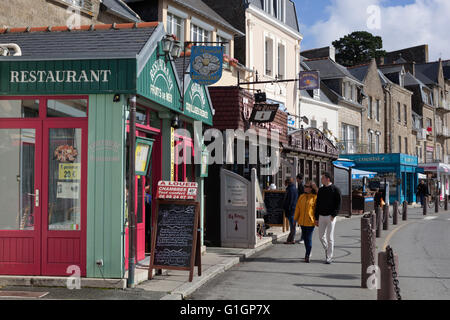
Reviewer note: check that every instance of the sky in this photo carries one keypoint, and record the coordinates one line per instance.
(400, 23)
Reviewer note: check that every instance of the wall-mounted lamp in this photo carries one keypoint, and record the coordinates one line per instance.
(170, 47)
(175, 122)
(305, 119)
(116, 98)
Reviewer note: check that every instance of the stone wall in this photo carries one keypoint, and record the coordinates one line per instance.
(38, 13)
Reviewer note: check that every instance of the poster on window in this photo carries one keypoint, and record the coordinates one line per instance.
(206, 64)
(68, 190)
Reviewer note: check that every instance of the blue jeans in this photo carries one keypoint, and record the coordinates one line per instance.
(292, 223)
(307, 233)
(421, 197)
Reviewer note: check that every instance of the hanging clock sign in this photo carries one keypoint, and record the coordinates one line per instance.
(263, 113)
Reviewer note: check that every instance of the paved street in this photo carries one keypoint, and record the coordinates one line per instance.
(280, 273)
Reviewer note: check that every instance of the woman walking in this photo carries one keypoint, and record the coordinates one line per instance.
(304, 215)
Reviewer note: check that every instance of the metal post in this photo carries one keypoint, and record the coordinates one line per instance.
(367, 247)
(386, 291)
(405, 211)
(436, 203)
(395, 213)
(131, 194)
(446, 202)
(386, 217)
(425, 205)
(378, 220)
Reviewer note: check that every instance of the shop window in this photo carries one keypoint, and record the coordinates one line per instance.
(19, 108)
(175, 26)
(17, 173)
(64, 206)
(74, 108)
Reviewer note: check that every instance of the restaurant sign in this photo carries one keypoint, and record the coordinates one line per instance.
(68, 76)
(206, 64)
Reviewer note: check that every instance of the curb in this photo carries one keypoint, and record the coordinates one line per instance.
(187, 289)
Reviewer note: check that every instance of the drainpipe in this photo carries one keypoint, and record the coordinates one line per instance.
(131, 195)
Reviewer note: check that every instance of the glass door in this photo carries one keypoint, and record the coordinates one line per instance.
(20, 197)
(64, 178)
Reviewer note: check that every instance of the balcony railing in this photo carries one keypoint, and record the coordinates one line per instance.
(442, 132)
(444, 106)
(422, 134)
(353, 147)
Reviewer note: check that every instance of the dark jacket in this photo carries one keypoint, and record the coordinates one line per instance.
(328, 201)
(290, 201)
(422, 189)
(301, 189)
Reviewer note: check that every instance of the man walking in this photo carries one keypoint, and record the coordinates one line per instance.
(422, 192)
(300, 187)
(301, 190)
(290, 202)
(327, 208)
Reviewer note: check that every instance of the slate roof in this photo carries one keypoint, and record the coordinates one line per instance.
(291, 12)
(428, 72)
(329, 69)
(387, 69)
(120, 8)
(204, 10)
(359, 72)
(446, 67)
(88, 42)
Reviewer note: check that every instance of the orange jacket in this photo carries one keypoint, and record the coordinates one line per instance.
(304, 211)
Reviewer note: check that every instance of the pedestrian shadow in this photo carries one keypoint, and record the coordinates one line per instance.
(274, 260)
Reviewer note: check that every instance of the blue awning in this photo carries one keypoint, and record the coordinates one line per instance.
(359, 174)
(347, 163)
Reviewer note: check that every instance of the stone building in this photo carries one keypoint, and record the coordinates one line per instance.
(346, 91)
(270, 49)
(373, 118)
(37, 13)
(193, 20)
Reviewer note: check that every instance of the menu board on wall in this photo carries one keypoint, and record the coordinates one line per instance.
(236, 193)
(274, 205)
(175, 236)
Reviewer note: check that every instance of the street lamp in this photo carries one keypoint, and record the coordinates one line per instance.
(170, 47)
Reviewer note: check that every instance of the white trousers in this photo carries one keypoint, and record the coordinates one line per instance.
(326, 235)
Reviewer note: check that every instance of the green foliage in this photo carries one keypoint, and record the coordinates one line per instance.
(359, 47)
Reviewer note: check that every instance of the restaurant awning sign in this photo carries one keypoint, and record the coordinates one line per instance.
(206, 64)
(309, 80)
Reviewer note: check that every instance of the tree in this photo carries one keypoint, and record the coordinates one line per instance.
(358, 47)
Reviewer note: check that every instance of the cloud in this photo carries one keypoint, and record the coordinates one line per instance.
(401, 26)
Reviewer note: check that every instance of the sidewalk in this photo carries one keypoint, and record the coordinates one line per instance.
(214, 262)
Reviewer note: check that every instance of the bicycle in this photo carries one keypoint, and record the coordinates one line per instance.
(432, 199)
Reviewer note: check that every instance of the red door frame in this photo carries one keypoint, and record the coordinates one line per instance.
(18, 238)
(41, 232)
(66, 240)
(156, 153)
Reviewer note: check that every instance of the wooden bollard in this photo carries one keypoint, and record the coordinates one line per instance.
(386, 217)
(367, 247)
(425, 205)
(386, 291)
(378, 221)
(405, 211)
(446, 202)
(436, 203)
(395, 213)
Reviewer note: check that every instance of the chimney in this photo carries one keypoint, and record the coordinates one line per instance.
(332, 52)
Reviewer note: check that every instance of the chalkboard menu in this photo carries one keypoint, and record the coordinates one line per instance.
(274, 205)
(174, 241)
